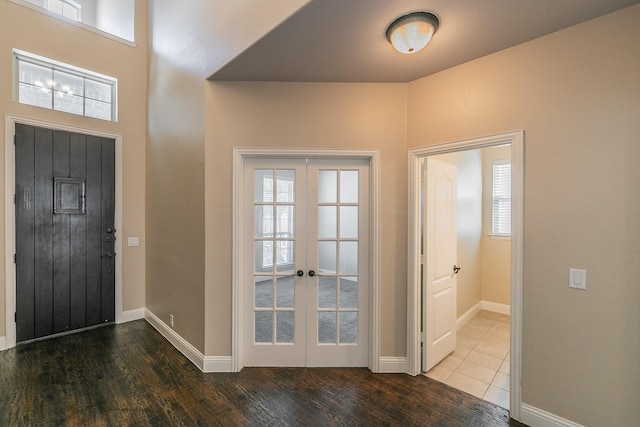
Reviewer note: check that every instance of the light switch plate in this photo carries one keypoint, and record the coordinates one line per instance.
(133, 241)
(577, 278)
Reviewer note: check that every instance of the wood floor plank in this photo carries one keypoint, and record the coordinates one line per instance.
(129, 375)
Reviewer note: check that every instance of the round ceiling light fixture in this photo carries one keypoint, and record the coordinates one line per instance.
(410, 33)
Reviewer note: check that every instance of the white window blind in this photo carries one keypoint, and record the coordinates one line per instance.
(501, 218)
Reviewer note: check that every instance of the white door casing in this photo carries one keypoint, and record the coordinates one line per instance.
(440, 280)
(516, 140)
(305, 290)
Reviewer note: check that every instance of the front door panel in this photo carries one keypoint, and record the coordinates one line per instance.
(65, 236)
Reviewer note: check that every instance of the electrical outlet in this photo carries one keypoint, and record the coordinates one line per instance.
(171, 320)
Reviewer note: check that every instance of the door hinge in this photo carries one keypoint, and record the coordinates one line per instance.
(15, 258)
(15, 138)
(15, 317)
(421, 336)
(15, 199)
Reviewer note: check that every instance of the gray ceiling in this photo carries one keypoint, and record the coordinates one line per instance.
(344, 40)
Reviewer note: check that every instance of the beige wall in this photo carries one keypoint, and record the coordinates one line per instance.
(576, 93)
(188, 40)
(307, 115)
(35, 32)
(496, 251)
(469, 225)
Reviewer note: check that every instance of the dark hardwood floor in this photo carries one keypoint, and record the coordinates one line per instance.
(129, 375)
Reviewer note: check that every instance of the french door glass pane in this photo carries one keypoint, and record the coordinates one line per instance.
(348, 222)
(285, 221)
(285, 291)
(286, 186)
(327, 327)
(263, 326)
(263, 221)
(327, 292)
(263, 255)
(284, 256)
(263, 186)
(348, 327)
(348, 186)
(327, 222)
(327, 257)
(263, 291)
(327, 186)
(285, 327)
(348, 257)
(348, 292)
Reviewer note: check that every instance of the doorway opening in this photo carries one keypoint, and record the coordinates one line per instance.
(443, 317)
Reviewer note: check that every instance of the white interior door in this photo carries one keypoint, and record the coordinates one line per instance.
(440, 258)
(306, 296)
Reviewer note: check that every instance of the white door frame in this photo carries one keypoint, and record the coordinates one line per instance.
(516, 140)
(239, 263)
(9, 215)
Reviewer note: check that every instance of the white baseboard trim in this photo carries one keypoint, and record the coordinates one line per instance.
(205, 364)
(218, 364)
(535, 417)
(468, 315)
(3, 343)
(496, 308)
(482, 305)
(393, 365)
(131, 315)
(182, 345)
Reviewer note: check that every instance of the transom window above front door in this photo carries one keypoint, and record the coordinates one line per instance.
(51, 84)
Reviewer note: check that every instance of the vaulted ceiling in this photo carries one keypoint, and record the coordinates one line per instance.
(344, 40)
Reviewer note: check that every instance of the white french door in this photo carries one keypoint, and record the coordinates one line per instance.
(306, 294)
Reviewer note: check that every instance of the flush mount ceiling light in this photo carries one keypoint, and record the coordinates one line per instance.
(410, 33)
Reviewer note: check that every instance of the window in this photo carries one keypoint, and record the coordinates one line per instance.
(51, 84)
(114, 19)
(67, 8)
(501, 218)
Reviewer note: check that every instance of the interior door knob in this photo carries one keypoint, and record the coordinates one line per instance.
(456, 269)
(300, 273)
(312, 273)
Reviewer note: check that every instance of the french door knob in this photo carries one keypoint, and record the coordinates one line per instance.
(312, 273)
(300, 273)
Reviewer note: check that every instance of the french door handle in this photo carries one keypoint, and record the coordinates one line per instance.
(312, 273)
(300, 273)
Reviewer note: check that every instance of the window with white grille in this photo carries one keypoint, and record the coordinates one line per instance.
(46, 83)
(501, 218)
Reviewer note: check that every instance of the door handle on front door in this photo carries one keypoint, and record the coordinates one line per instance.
(300, 273)
(312, 273)
(456, 269)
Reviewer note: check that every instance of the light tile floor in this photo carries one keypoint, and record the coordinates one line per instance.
(480, 363)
